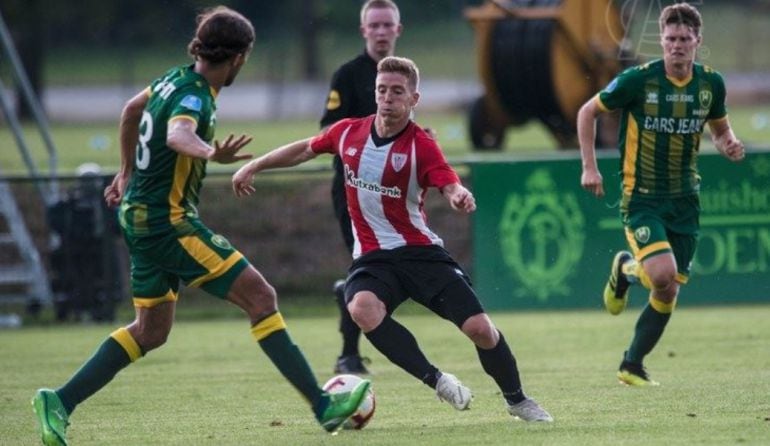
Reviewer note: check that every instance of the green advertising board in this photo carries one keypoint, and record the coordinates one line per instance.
(541, 241)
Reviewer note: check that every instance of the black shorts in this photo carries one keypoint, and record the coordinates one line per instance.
(426, 274)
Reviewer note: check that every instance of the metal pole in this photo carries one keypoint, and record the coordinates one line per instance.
(17, 131)
(37, 111)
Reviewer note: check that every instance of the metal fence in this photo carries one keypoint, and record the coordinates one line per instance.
(287, 229)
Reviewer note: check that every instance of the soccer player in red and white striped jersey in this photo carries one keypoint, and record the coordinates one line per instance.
(387, 179)
(389, 164)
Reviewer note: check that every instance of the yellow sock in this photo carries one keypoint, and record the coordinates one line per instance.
(268, 326)
(662, 307)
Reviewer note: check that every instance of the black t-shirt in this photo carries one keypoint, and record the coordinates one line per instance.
(351, 94)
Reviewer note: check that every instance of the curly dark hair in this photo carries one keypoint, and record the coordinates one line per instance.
(221, 34)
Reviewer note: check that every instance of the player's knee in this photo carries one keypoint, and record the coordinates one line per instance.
(480, 329)
(155, 341)
(366, 310)
(666, 295)
(254, 295)
(663, 280)
(151, 338)
(263, 300)
(266, 295)
(660, 271)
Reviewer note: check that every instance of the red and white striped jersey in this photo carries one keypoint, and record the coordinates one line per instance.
(386, 185)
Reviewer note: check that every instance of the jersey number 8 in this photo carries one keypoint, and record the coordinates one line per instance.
(143, 151)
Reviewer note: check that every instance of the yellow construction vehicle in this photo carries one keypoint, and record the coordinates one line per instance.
(542, 59)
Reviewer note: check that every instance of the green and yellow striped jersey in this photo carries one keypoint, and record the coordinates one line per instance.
(163, 191)
(661, 124)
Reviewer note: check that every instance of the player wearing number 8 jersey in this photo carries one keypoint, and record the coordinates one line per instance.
(164, 188)
(165, 135)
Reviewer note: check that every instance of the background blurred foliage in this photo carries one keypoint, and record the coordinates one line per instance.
(148, 22)
(125, 41)
(295, 36)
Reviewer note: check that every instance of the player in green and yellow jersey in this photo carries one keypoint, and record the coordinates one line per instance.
(166, 133)
(664, 106)
(163, 191)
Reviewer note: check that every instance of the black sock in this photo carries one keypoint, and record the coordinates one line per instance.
(351, 333)
(399, 345)
(500, 364)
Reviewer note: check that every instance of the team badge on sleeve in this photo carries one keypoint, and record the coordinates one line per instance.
(334, 101)
(192, 102)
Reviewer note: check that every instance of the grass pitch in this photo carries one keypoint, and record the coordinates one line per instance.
(211, 384)
(98, 142)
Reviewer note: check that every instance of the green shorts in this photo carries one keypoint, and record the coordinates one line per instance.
(655, 225)
(197, 259)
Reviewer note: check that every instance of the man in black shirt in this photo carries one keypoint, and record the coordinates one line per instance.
(351, 95)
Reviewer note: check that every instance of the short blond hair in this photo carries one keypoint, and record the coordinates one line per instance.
(681, 14)
(403, 66)
(380, 4)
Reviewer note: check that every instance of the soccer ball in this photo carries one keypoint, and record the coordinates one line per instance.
(346, 383)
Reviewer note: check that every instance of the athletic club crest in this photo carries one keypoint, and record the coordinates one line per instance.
(398, 160)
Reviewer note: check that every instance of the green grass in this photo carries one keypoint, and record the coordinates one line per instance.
(98, 142)
(210, 385)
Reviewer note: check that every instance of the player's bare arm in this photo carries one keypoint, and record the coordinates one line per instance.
(182, 138)
(460, 198)
(725, 140)
(591, 179)
(130, 118)
(289, 155)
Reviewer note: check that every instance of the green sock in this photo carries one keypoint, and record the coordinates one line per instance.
(99, 370)
(290, 361)
(649, 329)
